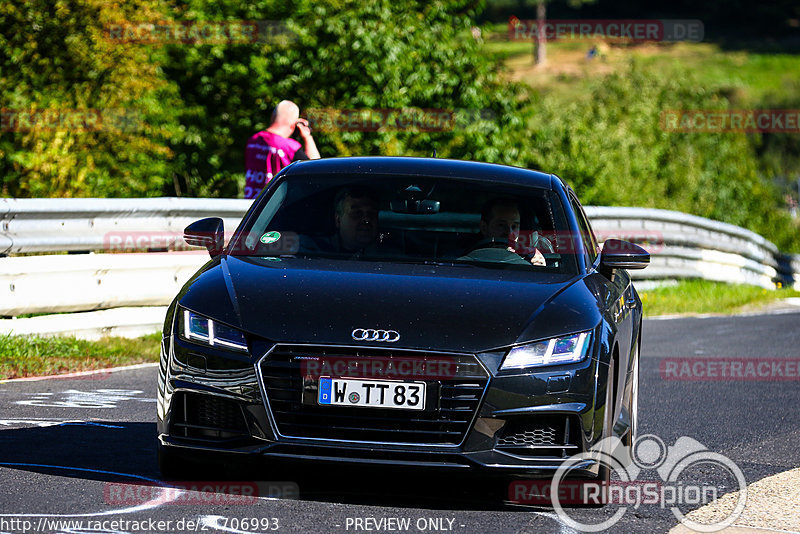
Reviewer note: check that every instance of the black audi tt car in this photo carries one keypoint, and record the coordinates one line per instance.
(407, 311)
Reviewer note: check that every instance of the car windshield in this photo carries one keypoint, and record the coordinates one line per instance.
(410, 219)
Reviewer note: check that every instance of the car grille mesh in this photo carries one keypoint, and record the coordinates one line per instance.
(544, 435)
(455, 400)
(541, 436)
(218, 413)
(203, 416)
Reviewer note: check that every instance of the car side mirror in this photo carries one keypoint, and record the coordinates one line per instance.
(618, 254)
(208, 232)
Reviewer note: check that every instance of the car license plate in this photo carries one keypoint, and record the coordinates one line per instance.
(371, 393)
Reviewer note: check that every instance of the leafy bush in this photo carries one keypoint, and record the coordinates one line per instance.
(350, 55)
(612, 148)
(55, 58)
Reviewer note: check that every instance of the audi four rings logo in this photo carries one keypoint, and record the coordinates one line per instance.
(368, 334)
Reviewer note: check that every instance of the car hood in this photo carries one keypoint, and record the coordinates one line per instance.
(446, 308)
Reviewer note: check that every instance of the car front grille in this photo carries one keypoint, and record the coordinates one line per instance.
(452, 400)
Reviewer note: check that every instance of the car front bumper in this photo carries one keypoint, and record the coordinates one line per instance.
(521, 424)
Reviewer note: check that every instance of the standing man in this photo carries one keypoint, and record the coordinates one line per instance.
(268, 151)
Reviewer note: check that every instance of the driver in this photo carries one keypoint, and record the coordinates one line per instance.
(500, 223)
(500, 219)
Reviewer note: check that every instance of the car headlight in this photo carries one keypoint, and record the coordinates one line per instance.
(195, 327)
(558, 350)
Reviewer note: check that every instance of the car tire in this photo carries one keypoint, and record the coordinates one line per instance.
(633, 407)
(604, 471)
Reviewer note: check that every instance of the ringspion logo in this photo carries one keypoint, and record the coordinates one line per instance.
(683, 469)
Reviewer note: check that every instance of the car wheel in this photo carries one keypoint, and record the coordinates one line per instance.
(633, 408)
(604, 474)
(604, 471)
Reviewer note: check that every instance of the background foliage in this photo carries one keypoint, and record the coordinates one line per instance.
(344, 55)
(612, 148)
(54, 56)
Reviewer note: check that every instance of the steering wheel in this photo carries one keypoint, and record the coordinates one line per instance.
(497, 249)
(489, 242)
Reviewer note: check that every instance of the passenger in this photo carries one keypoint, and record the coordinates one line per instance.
(355, 213)
(356, 216)
(500, 219)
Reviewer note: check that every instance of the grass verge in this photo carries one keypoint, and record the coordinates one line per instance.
(700, 296)
(22, 356)
(750, 75)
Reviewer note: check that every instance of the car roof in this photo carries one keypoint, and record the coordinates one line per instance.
(432, 167)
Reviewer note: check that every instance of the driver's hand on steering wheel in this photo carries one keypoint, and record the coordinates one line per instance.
(538, 258)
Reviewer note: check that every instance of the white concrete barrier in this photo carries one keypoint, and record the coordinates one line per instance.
(84, 282)
(687, 246)
(122, 322)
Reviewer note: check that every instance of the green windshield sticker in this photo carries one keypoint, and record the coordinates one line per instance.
(270, 237)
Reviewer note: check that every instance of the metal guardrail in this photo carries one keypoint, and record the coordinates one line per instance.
(84, 224)
(687, 246)
(681, 246)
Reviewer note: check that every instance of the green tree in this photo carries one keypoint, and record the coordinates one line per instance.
(84, 114)
(613, 148)
(345, 55)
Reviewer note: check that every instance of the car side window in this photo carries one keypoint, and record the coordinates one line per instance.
(586, 233)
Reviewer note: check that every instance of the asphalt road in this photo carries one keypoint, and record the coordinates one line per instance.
(82, 450)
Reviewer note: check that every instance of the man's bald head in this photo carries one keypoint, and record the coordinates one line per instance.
(285, 114)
